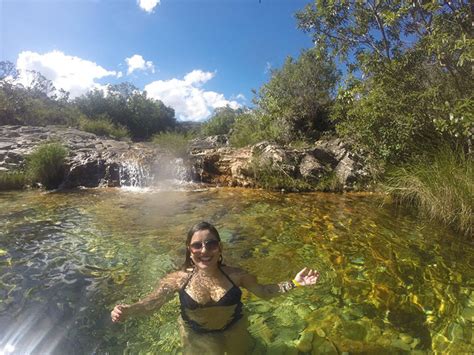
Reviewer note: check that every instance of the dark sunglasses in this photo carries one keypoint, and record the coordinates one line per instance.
(211, 245)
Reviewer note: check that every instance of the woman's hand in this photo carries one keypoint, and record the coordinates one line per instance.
(119, 313)
(307, 277)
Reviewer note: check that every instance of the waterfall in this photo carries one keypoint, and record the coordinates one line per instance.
(159, 173)
(133, 174)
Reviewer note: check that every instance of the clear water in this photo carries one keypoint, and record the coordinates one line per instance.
(391, 281)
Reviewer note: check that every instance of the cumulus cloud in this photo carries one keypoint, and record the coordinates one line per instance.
(148, 5)
(186, 96)
(73, 74)
(136, 62)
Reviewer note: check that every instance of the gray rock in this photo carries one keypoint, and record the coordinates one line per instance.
(98, 161)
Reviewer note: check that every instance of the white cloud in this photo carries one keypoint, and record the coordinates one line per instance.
(187, 97)
(198, 77)
(148, 5)
(73, 74)
(136, 62)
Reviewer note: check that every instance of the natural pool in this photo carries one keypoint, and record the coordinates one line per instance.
(391, 282)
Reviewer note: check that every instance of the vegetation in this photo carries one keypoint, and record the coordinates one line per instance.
(221, 122)
(13, 180)
(293, 105)
(440, 184)
(408, 90)
(410, 66)
(273, 176)
(46, 165)
(126, 106)
(118, 108)
(295, 102)
(103, 126)
(176, 143)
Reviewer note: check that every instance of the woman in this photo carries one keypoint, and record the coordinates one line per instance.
(212, 320)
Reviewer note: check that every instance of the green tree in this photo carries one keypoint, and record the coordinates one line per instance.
(294, 103)
(127, 106)
(410, 70)
(39, 103)
(221, 122)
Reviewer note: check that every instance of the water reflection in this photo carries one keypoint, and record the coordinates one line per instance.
(390, 281)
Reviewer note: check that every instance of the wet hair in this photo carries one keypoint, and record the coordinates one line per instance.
(201, 226)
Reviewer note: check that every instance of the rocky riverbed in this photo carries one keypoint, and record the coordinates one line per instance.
(98, 161)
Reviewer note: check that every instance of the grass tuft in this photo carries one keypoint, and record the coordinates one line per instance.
(46, 165)
(441, 185)
(13, 180)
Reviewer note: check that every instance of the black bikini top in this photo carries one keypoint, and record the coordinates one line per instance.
(230, 298)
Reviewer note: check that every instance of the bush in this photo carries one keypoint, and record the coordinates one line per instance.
(298, 96)
(175, 143)
(221, 122)
(103, 126)
(46, 165)
(441, 185)
(12, 180)
(250, 129)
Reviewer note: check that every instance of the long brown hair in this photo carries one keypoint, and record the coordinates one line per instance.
(201, 226)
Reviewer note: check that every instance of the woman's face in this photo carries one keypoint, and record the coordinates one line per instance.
(205, 249)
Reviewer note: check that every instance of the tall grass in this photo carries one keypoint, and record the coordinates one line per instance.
(46, 164)
(441, 185)
(13, 180)
(176, 143)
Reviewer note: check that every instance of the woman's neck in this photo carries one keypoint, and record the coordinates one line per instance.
(209, 272)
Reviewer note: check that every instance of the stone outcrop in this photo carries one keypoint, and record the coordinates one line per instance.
(97, 161)
(92, 161)
(215, 162)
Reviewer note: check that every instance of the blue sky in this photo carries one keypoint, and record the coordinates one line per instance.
(194, 55)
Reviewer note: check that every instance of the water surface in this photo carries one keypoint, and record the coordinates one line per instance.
(391, 281)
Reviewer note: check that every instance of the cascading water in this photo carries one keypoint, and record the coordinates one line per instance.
(133, 174)
(161, 172)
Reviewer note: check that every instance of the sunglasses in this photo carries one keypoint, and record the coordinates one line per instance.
(211, 245)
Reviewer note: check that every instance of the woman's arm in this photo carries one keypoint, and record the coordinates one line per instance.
(305, 277)
(162, 294)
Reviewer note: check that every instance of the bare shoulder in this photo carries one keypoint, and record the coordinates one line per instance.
(235, 273)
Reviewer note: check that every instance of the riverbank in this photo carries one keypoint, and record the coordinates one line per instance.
(440, 185)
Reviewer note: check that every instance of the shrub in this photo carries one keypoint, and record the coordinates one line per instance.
(175, 143)
(12, 180)
(221, 122)
(46, 164)
(440, 184)
(250, 129)
(103, 126)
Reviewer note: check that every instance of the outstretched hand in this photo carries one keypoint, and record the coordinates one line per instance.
(118, 313)
(307, 277)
